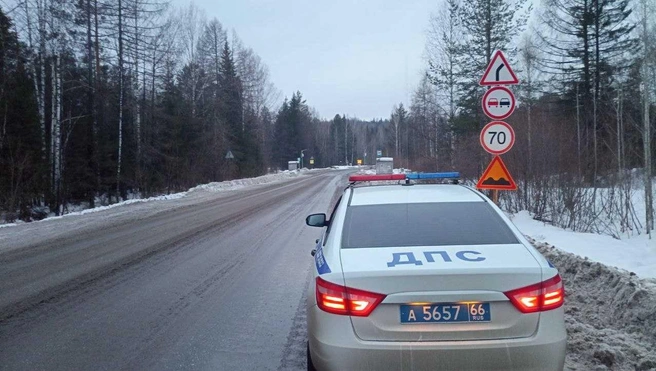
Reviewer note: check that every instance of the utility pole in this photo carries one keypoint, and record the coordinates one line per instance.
(345, 140)
(302, 155)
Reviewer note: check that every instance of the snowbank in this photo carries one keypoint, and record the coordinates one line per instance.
(211, 187)
(246, 182)
(636, 254)
(345, 167)
(610, 314)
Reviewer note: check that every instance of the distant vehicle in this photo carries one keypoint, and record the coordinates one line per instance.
(505, 102)
(293, 165)
(384, 165)
(428, 277)
(493, 102)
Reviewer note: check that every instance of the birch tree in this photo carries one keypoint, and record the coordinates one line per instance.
(646, 102)
(444, 50)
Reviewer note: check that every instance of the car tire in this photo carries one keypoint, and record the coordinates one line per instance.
(310, 365)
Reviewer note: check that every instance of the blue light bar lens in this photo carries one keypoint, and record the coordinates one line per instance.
(447, 175)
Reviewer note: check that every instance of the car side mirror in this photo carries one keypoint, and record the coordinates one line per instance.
(316, 220)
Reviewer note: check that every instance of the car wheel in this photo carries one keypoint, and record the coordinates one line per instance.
(310, 365)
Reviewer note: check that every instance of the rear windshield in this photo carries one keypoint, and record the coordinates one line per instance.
(424, 224)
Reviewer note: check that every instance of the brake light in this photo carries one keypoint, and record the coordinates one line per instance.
(540, 297)
(337, 299)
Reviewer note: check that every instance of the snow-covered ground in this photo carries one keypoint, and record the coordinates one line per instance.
(610, 314)
(610, 286)
(229, 185)
(635, 254)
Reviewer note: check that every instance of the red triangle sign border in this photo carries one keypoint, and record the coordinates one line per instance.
(499, 54)
(511, 187)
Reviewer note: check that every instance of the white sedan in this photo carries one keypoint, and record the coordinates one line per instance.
(429, 277)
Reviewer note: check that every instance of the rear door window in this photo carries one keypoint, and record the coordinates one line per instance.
(424, 224)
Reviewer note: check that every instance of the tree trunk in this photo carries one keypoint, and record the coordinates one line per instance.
(55, 132)
(137, 106)
(120, 100)
(578, 128)
(91, 105)
(649, 202)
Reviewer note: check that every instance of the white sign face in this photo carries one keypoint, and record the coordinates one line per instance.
(497, 137)
(499, 72)
(498, 103)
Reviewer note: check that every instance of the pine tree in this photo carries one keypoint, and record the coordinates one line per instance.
(21, 165)
(586, 45)
(231, 109)
(488, 25)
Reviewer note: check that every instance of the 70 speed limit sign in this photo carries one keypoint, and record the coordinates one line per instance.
(497, 137)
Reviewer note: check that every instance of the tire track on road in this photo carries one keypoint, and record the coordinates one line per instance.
(55, 293)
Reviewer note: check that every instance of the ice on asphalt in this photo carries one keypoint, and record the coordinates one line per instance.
(635, 254)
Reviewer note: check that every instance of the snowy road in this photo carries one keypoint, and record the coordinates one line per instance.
(217, 284)
(216, 280)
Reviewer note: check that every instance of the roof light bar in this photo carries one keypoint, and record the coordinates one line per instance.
(370, 178)
(445, 175)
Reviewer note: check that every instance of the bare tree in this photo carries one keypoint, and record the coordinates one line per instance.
(193, 24)
(528, 58)
(443, 49)
(646, 102)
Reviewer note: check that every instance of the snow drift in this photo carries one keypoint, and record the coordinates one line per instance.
(610, 314)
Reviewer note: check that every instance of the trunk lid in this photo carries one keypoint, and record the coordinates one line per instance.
(442, 275)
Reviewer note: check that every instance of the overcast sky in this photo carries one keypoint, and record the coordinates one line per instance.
(358, 58)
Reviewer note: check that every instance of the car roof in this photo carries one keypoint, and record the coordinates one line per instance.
(416, 193)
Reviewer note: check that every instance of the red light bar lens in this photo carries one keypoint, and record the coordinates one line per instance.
(370, 178)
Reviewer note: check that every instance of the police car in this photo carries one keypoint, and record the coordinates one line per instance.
(413, 276)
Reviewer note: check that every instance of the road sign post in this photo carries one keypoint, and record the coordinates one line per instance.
(230, 164)
(497, 137)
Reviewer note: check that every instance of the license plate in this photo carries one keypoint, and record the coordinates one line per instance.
(446, 313)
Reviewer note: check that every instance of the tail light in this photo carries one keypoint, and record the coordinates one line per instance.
(337, 299)
(543, 296)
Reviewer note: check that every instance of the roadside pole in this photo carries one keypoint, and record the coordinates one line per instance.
(497, 137)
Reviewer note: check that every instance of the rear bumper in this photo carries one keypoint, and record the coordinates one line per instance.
(334, 346)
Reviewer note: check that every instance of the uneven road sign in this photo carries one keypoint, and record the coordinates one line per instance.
(499, 72)
(497, 137)
(496, 176)
(498, 103)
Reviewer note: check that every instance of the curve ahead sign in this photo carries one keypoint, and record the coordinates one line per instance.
(497, 137)
(498, 103)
